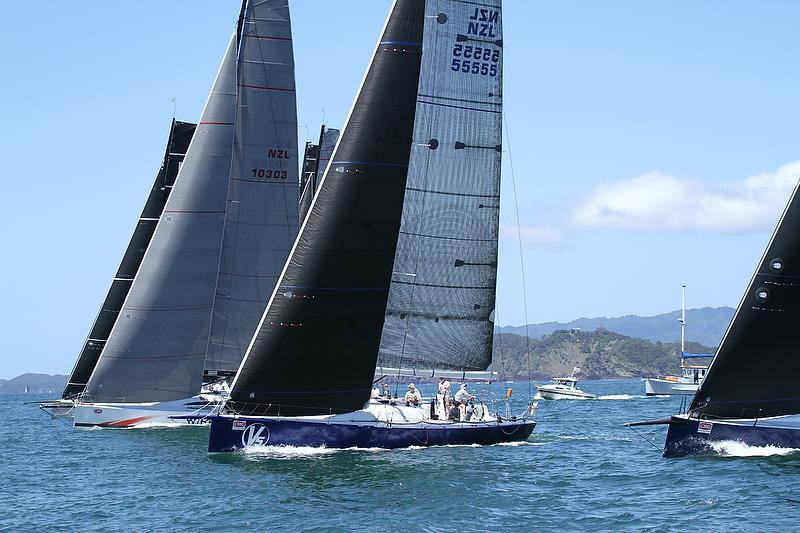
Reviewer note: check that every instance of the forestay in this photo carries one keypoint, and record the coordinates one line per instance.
(261, 221)
(443, 282)
(157, 346)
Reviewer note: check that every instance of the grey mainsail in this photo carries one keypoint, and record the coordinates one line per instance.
(157, 346)
(261, 221)
(442, 292)
(179, 137)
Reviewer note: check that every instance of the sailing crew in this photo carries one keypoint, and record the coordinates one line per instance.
(412, 397)
(462, 398)
(442, 397)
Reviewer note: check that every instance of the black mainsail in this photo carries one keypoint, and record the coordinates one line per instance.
(179, 137)
(316, 347)
(756, 372)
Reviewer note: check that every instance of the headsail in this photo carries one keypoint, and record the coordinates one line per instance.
(157, 347)
(316, 346)
(179, 137)
(261, 220)
(762, 339)
(445, 270)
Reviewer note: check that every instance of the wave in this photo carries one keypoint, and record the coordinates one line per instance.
(620, 397)
(734, 448)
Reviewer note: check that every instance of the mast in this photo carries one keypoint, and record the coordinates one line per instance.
(683, 318)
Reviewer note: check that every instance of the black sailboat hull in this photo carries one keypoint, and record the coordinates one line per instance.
(229, 434)
(692, 436)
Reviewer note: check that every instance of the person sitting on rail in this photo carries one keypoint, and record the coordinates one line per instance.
(412, 397)
(462, 398)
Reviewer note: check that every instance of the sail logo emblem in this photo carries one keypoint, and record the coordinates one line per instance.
(255, 435)
(705, 427)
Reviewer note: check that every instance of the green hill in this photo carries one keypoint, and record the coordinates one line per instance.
(600, 354)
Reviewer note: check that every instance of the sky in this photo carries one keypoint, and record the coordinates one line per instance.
(649, 143)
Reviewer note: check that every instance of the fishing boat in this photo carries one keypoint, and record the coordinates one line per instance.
(395, 264)
(217, 250)
(692, 365)
(180, 135)
(565, 388)
(751, 392)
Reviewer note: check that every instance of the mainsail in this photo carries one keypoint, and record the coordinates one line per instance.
(179, 137)
(261, 220)
(157, 346)
(316, 346)
(756, 372)
(442, 293)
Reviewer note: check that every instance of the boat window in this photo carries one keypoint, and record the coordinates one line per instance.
(776, 265)
(762, 294)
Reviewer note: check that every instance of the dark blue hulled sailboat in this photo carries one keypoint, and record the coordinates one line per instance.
(751, 392)
(396, 263)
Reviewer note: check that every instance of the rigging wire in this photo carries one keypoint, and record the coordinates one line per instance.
(521, 258)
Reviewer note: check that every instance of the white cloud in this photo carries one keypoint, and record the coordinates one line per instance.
(658, 202)
(536, 236)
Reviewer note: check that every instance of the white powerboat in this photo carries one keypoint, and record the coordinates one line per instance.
(564, 389)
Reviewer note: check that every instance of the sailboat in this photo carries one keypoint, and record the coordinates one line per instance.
(315, 160)
(692, 373)
(180, 135)
(395, 264)
(219, 246)
(759, 350)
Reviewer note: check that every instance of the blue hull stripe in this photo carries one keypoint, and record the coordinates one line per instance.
(282, 432)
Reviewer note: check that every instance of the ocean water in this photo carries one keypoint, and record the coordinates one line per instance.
(580, 471)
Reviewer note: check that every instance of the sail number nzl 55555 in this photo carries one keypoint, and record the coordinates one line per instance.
(269, 173)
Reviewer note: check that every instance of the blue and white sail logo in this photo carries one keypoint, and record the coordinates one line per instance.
(255, 435)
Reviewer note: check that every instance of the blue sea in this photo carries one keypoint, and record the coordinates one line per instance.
(580, 471)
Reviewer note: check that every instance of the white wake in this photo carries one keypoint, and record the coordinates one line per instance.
(734, 448)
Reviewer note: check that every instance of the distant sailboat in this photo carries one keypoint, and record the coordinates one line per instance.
(692, 374)
(315, 161)
(179, 137)
(751, 393)
(218, 248)
(396, 262)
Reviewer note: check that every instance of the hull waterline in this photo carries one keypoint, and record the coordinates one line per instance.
(661, 387)
(229, 433)
(692, 436)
